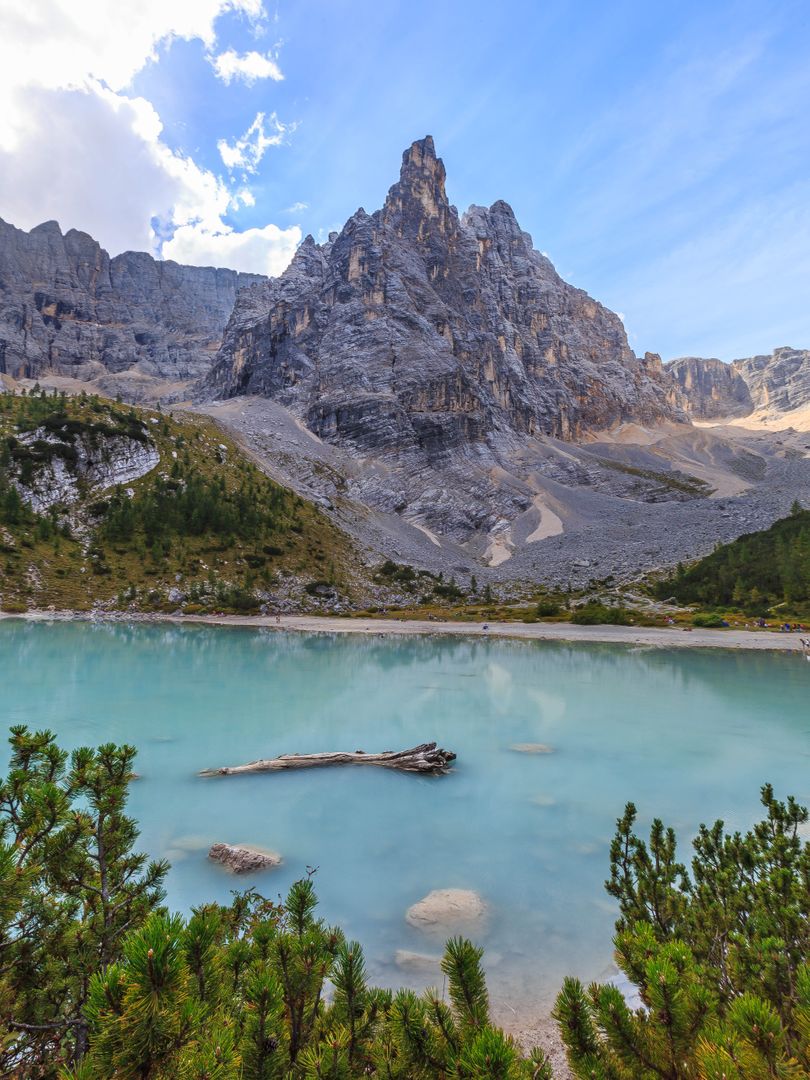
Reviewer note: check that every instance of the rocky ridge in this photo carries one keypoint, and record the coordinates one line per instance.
(441, 369)
(431, 383)
(711, 388)
(776, 383)
(131, 324)
(417, 331)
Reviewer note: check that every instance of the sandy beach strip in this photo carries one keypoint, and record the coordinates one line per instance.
(662, 637)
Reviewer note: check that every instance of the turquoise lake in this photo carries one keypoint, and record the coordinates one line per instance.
(688, 735)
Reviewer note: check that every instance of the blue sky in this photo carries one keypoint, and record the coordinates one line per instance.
(659, 153)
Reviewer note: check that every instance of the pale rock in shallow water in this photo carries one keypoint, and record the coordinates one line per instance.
(188, 843)
(531, 748)
(416, 962)
(448, 910)
(241, 860)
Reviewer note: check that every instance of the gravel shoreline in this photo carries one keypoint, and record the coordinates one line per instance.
(661, 637)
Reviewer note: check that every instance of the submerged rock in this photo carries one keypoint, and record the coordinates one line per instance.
(531, 748)
(416, 962)
(241, 860)
(447, 910)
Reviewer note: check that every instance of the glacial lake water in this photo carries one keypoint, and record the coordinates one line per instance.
(688, 735)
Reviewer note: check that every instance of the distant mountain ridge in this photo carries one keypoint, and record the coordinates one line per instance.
(67, 308)
(414, 328)
(711, 390)
(430, 381)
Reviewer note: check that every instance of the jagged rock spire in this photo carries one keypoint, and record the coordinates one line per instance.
(419, 197)
(418, 335)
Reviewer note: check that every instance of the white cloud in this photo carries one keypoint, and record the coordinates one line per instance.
(265, 251)
(247, 152)
(63, 44)
(75, 146)
(296, 208)
(110, 185)
(248, 67)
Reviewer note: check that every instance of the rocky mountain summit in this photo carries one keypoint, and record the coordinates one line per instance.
(431, 383)
(433, 372)
(68, 309)
(775, 384)
(416, 330)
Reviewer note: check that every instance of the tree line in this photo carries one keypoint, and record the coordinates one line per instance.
(753, 572)
(188, 503)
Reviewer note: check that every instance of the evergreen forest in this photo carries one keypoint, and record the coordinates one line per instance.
(753, 572)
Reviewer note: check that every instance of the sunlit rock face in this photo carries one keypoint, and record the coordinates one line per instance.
(778, 382)
(67, 308)
(710, 388)
(415, 329)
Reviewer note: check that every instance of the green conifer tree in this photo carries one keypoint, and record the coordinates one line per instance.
(718, 952)
(72, 888)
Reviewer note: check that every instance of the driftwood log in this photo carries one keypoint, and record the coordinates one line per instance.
(425, 758)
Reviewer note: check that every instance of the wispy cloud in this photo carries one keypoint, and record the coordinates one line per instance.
(698, 226)
(247, 67)
(735, 289)
(265, 250)
(247, 151)
(296, 208)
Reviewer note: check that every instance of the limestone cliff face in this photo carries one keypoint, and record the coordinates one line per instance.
(418, 329)
(67, 308)
(710, 388)
(778, 382)
(66, 467)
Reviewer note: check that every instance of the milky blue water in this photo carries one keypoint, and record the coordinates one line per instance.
(686, 734)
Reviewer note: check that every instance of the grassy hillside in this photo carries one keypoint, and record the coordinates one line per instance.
(204, 529)
(753, 572)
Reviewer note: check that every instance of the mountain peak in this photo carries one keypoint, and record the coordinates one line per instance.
(426, 335)
(421, 166)
(420, 152)
(419, 196)
(47, 228)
